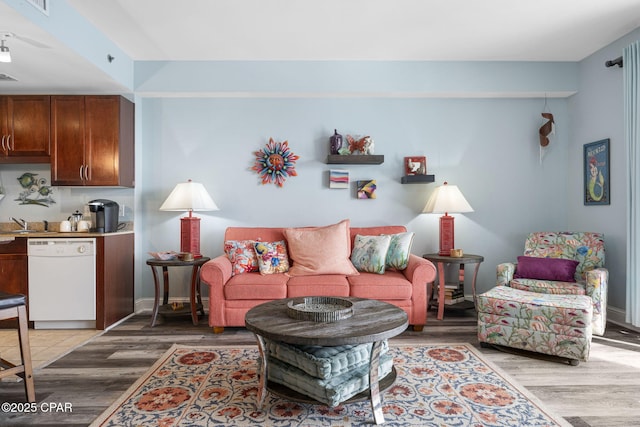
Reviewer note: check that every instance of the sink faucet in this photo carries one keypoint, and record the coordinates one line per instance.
(21, 222)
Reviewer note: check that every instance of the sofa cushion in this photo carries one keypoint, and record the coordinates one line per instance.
(393, 285)
(330, 391)
(323, 362)
(562, 270)
(242, 255)
(326, 284)
(399, 250)
(254, 286)
(548, 286)
(272, 257)
(369, 253)
(320, 250)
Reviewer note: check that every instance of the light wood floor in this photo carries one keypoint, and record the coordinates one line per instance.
(605, 391)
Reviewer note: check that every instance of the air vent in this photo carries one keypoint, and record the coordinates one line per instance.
(7, 78)
(41, 5)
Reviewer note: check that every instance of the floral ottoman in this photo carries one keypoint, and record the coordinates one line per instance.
(558, 325)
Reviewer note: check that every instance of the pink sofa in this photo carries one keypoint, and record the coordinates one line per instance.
(231, 296)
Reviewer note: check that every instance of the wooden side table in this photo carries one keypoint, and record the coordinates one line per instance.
(195, 304)
(441, 262)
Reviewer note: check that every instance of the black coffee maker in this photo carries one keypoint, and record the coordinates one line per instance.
(104, 215)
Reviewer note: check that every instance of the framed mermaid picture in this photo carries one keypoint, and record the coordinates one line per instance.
(596, 173)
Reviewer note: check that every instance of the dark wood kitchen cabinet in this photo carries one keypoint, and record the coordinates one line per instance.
(114, 279)
(25, 129)
(14, 269)
(92, 140)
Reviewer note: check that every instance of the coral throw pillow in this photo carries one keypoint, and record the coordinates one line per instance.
(320, 250)
(370, 253)
(558, 269)
(399, 250)
(272, 257)
(242, 255)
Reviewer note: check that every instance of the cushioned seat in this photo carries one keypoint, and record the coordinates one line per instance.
(329, 375)
(548, 287)
(331, 284)
(388, 287)
(254, 286)
(323, 362)
(558, 325)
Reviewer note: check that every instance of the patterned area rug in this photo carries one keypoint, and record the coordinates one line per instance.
(437, 385)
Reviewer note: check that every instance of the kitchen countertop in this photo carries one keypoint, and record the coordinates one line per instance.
(57, 234)
(9, 232)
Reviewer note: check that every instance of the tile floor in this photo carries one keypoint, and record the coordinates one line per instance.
(47, 345)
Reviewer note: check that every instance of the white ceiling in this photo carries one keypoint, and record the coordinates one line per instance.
(442, 30)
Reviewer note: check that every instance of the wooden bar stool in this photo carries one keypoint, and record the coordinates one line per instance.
(12, 306)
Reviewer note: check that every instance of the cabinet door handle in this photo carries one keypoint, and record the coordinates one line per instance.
(86, 173)
(9, 144)
(80, 172)
(3, 137)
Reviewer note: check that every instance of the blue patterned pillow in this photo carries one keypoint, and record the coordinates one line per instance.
(369, 253)
(399, 250)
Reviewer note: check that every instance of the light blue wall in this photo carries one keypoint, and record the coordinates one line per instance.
(475, 122)
(488, 147)
(597, 113)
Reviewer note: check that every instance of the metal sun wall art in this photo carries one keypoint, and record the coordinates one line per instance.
(275, 163)
(35, 191)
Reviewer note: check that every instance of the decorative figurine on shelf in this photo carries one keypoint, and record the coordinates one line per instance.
(416, 165)
(335, 142)
(362, 145)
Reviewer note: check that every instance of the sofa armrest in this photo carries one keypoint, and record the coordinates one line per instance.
(216, 273)
(596, 286)
(419, 271)
(504, 273)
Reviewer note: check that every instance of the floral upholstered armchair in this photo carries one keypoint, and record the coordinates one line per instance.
(562, 263)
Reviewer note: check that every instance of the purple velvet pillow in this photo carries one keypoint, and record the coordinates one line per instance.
(562, 270)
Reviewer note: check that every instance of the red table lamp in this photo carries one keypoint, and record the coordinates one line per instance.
(447, 198)
(189, 196)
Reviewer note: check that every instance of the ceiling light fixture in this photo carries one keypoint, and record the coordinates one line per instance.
(5, 55)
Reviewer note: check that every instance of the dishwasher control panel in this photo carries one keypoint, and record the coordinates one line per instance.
(60, 247)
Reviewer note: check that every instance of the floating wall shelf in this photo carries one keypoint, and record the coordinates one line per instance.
(417, 179)
(362, 159)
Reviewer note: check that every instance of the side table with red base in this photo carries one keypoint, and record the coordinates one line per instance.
(195, 297)
(440, 262)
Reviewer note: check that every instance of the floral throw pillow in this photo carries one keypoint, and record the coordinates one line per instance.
(399, 250)
(369, 253)
(272, 257)
(242, 255)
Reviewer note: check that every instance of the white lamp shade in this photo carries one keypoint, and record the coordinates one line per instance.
(189, 196)
(447, 198)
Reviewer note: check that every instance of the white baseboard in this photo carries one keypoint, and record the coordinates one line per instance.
(617, 315)
(614, 314)
(145, 305)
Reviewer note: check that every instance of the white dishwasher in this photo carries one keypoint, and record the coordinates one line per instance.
(62, 283)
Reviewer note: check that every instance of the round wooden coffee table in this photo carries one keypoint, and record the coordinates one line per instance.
(372, 322)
